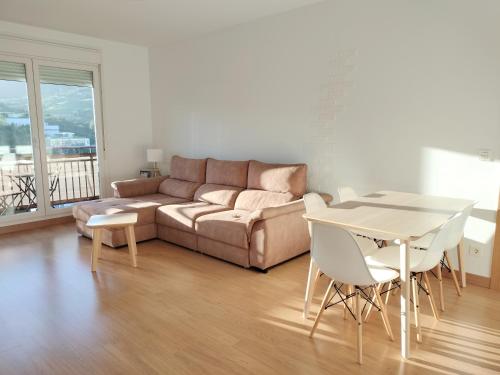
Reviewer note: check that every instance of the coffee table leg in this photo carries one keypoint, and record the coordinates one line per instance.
(132, 247)
(96, 247)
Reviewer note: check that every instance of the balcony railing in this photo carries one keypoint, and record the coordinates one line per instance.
(73, 177)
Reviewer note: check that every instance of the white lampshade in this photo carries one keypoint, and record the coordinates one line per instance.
(154, 155)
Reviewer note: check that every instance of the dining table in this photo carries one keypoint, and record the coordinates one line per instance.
(391, 216)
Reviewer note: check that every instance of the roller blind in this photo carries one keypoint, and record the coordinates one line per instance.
(62, 76)
(12, 71)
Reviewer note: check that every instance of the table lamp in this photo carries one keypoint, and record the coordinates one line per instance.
(155, 155)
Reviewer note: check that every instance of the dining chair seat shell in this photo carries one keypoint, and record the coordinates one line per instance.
(382, 274)
(389, 257)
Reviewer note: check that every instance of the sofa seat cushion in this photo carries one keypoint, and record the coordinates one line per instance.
(80, 210)
(217, 194)
(193, 170)
(258, 199)
(179, 188)
(227, 172)
(182, 216)
(230, 227)
(145, 209)
(161, 198)
(279, 178)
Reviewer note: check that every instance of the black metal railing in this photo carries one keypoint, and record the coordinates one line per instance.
(73, 177)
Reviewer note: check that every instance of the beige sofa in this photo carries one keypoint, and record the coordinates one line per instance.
(245, 212)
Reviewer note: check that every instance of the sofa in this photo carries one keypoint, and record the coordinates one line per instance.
(245, 212)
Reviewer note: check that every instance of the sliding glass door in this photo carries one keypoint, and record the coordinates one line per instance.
(20, 177)
(49, 143)
(69, 134)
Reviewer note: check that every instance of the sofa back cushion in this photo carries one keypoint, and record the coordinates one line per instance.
(257, 199)
(279, 178)
(188, 169)
(179, 188)
(227, 172)
(217, 194)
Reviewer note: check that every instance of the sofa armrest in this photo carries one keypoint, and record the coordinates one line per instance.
(278, 238)
(286, 208)
(283, 209)
(136, 187)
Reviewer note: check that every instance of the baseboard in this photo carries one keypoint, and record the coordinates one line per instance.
(472, 278)
(36, 224)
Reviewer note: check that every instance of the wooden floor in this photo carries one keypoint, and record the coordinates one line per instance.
(184, 313)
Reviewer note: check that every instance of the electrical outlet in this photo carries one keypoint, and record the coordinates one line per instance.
(485, 155)
(474, 251)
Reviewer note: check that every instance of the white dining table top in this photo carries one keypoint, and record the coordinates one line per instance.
(392, 215)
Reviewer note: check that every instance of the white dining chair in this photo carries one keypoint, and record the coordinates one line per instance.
(339, 256)
(421, 261)
(314, 202)
(452, 241)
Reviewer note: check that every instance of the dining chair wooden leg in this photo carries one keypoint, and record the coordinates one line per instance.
(461, 267)
(430, 295)
(453, 275)
(370, 305)
(383, 311)
(416, 307)
(322, 308)
(132, 246)
(388, 294)
(440, 279)
(96, 247)
(348, 302)
(359, 321)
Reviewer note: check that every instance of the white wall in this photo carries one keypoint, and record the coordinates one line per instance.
(377, 95)
(125, 84)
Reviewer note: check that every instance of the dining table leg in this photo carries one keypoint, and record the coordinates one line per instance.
(313, 270)
(404, 250)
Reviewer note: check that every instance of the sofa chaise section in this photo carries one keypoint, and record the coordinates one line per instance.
(143, 196)
(145, 229)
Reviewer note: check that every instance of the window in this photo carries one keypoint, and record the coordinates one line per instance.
(48, 137)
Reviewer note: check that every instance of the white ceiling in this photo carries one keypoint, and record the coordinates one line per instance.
(146, 22)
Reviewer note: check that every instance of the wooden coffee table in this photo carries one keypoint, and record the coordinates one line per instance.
(99, 222)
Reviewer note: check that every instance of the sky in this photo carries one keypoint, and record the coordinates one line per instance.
(12, 89)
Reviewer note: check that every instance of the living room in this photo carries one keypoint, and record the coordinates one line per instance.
(171, 173)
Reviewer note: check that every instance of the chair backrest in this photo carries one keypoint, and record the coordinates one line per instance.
(457, 231)
(347, 193)
(338, 255)
(313, 202)
(434, 252)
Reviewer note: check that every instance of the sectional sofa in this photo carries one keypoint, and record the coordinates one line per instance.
(245, 212)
